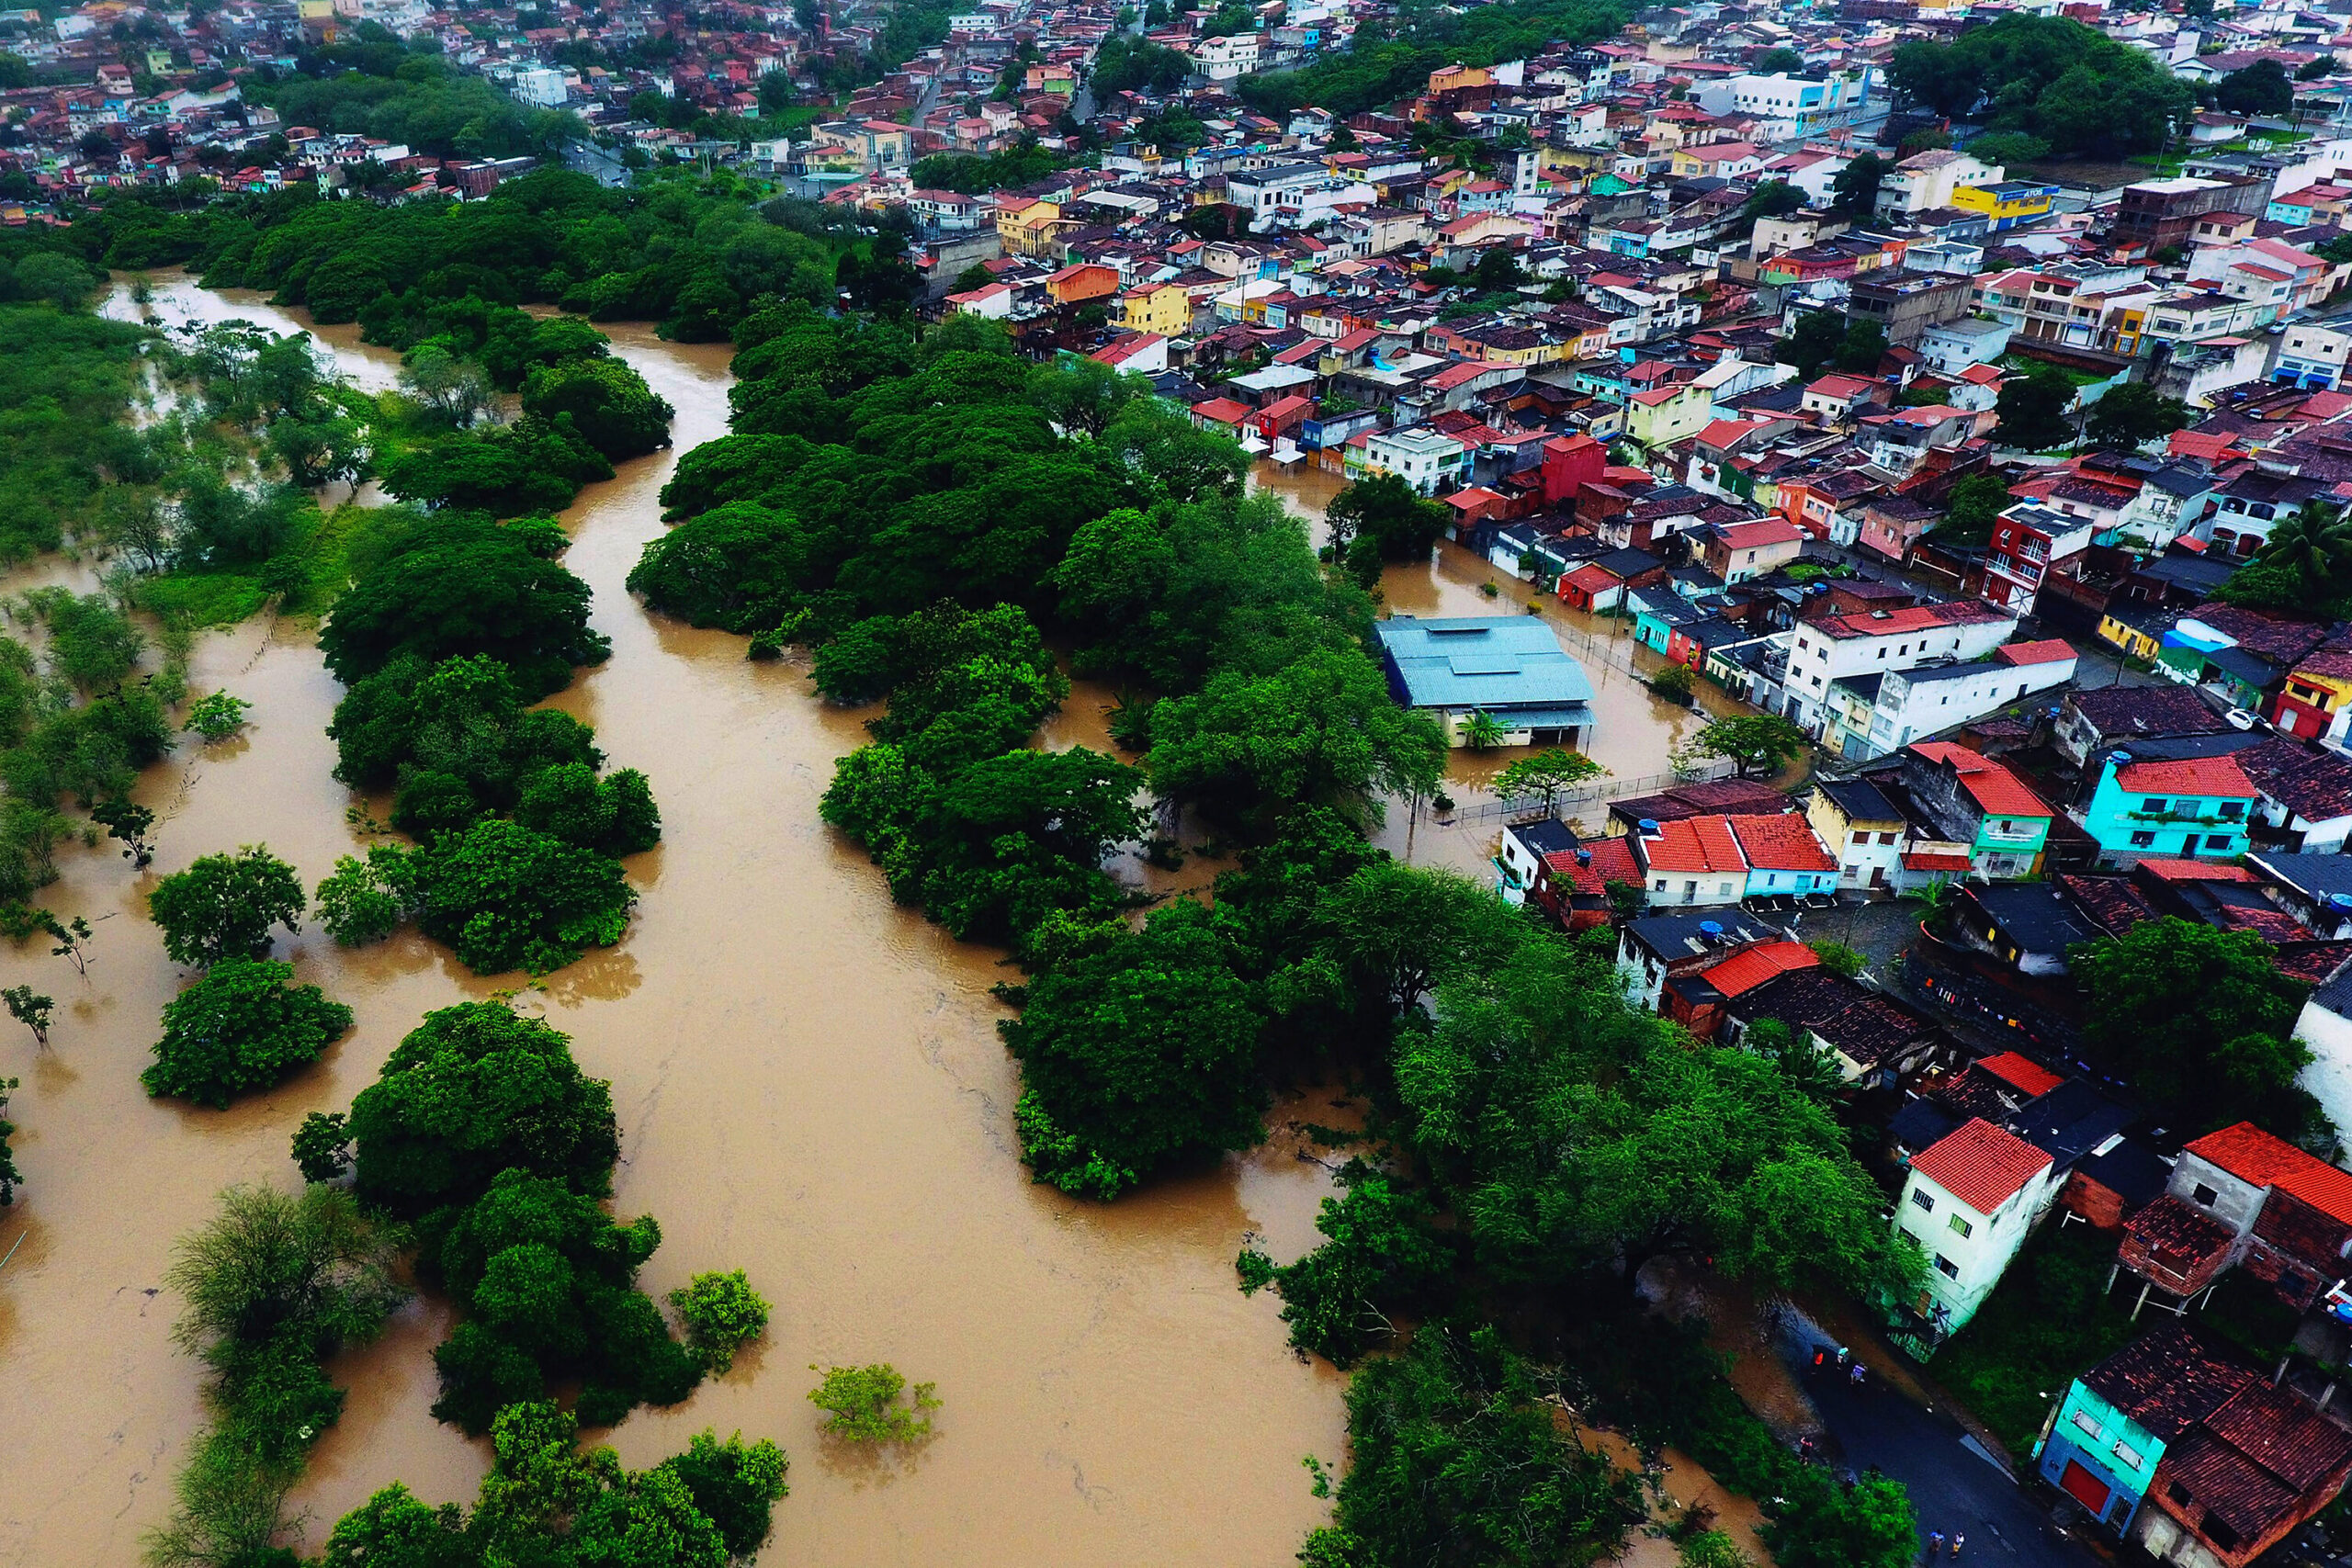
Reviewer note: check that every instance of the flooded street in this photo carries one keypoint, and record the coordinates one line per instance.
(1634, 731)
(809, 1086)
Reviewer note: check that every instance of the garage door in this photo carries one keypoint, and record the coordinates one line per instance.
(2085, 1488)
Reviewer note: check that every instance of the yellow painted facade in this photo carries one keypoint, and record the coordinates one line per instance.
(1160, 308)
(2134, 642)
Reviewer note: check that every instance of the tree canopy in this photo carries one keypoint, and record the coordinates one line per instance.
(2052, 77)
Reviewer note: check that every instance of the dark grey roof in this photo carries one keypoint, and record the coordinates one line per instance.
(2069, 1121)
(1546, 836)
(2314, 875)
(1859, 800)
(2033, 915)
(1677, 936)
(2133, 1171)
(1920, 1123)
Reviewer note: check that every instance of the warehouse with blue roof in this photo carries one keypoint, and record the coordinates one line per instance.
(1512, 668)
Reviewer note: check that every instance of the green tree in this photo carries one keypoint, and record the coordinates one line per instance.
(1824, 1523)
(722, 1313)
(1379, 1256)
(2131, 414)
(464, 587)
(607, 402)
(1856, 186)
(1458, 1459)
(1393, 932)
(1777, 61)
(505, 897)
(2262, 88)
(1482, 731)
(1862, 347)
(2201, 1021)
(223, 905)
(864, 1402)
(1403, 524)
(242, 1026)
(1771, 199)
(1970, 512)
(32, 1009)
(2008, 147)
(2033, 409)
(472, 1091)
(1813, 341)
(736, 567)
(1322, 730)
(1548, 773)
(1136, 1054)
(1756, 745)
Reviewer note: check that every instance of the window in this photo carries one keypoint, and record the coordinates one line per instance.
(2128, 1454)
(1887, 838)
(2178, 1493)
(2142, 840)
(2089, 1427)
(2217, 841)
(2231, 810)
(2153, 805)
(1946, 1266)
(1962, 1228)
(2204, 1196)
(1924, 1199)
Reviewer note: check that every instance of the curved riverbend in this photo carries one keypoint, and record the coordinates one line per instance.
(809, 1086)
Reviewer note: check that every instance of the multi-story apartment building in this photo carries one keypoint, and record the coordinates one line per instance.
(1926, 180)
(1872, 641)
(2029, 541)
(2157, 215)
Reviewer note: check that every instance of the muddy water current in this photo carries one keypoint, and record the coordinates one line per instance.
(809, 1086)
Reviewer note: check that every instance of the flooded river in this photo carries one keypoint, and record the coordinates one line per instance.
(809, 1086)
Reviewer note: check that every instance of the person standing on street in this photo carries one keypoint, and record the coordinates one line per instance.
(1935, 1545)
(1957, 1539)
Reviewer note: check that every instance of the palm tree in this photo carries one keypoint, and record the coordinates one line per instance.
(1482, 731)
(2314, 541)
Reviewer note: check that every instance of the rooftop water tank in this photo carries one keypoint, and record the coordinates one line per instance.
(1649, 826)
(1710, 929)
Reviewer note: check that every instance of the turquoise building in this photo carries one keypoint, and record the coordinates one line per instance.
(2179, 808)
(2103, 1442)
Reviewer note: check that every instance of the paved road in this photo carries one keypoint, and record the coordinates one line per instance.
(1952, 1487)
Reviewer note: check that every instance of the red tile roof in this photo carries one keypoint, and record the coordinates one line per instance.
(1996, 789)
(2049, 650)
(1980, 1165)
(1751, 966)
(2252, 1155)
(1593, 577)
(2165, 870)
(1612, 860)
(1694, 843)
(1912, 618)
(2021, 1073)
(1930, 860)
(2218, 777)
(1780, 843)
(1763, 531)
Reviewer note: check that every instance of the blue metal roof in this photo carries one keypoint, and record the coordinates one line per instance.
(1501, 663)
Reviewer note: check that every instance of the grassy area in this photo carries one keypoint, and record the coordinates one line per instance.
(310, 572)
(2049, 1320)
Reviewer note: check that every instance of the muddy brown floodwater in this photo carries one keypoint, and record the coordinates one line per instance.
(809, 1086)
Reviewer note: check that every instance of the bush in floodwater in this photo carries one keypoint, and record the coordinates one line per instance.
(243, 1026)
(223, 905)
(217, 715)
(864, 1403)
(722, 1315)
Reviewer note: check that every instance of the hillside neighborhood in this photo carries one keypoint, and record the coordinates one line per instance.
(1957, 456)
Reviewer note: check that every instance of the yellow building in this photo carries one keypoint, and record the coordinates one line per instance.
(2138, 639)
(1162, 308)
(1027, 227)
(2008, 203)
(1665, 414)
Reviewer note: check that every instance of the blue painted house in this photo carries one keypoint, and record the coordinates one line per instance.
(1658, 614)
(2174, 809)
(2106, 1437)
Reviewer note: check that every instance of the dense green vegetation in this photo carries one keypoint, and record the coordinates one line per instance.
(65, 380)
(867, 504)
(2051, 77)
(242, 1026)
(1378, 69)
(482, 1130)
(976, 174)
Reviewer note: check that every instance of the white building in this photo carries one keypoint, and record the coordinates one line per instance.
(1789, 105)
(1971, 1199)
(1881, 714)
(542, 85)
(1924, 181)
(1422, 458)
(1874, 642)
(1227, 59)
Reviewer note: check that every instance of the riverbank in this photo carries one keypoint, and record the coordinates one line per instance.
(811, 1087)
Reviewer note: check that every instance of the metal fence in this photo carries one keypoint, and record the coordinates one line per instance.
(1599, 791)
